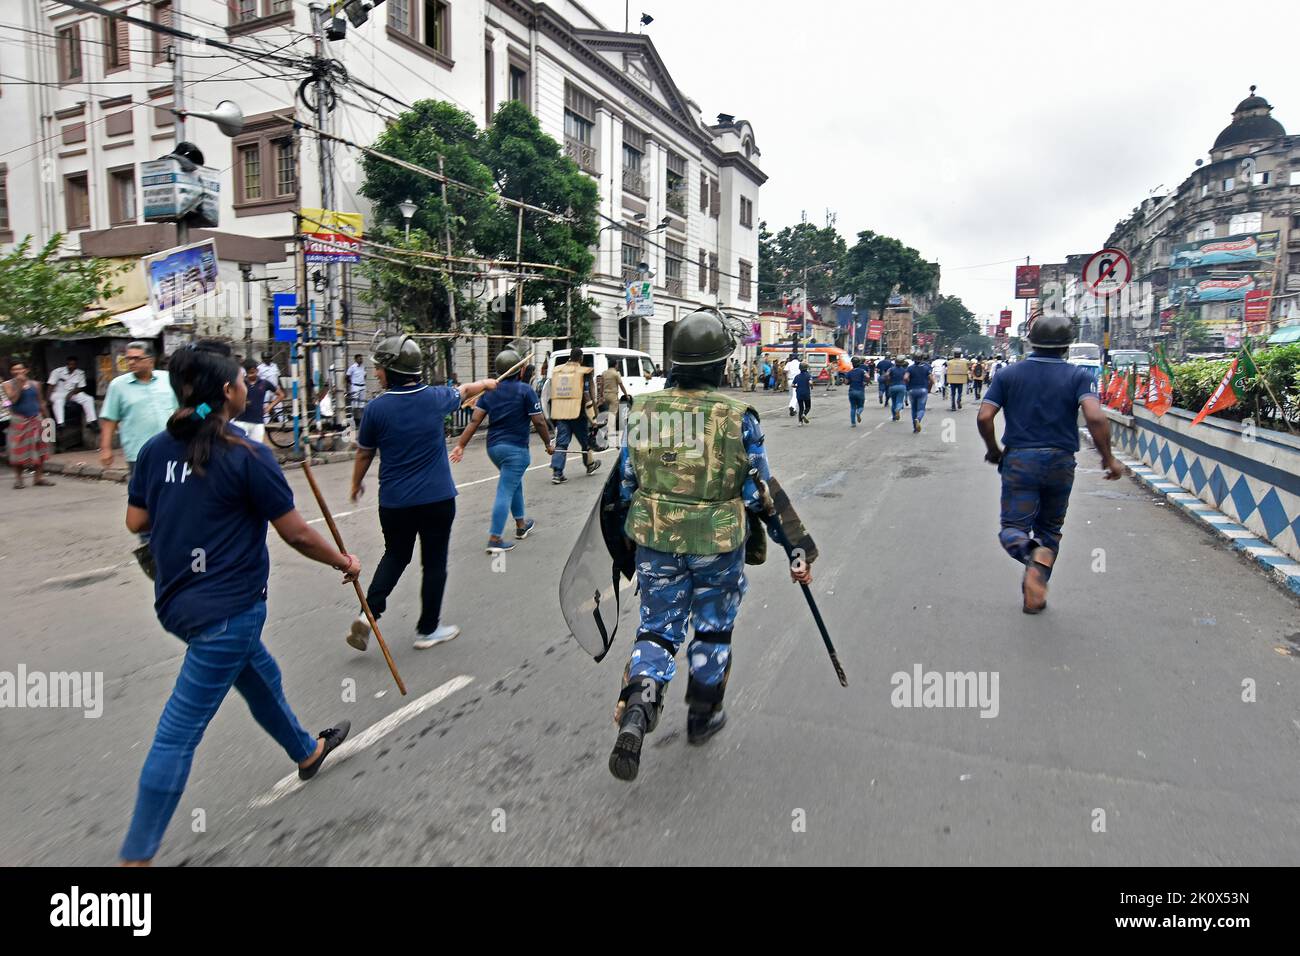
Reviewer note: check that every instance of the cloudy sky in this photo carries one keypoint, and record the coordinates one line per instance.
(975, 132)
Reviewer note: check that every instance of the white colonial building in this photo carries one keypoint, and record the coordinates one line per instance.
(679, 195)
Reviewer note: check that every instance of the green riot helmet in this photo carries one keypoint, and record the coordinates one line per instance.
(398, 353)
(506, 360)
(702, 338)
(1051, 332)
(857, 361)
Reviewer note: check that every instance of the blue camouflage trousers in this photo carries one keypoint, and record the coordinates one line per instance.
(703, 590)
(1036, 485)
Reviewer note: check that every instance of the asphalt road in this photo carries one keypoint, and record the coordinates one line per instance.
(1125, 696)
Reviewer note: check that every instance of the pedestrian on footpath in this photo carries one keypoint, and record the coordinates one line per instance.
(573, 395)
(882, 377)
(67, 384)
(26, 435)
(207, 494)
(958, 373)
(897, 378)
(140, 404)
(356, 387)
(417, 498)
(687, 518)
(919, 379)
(803, 392)
(857, 379)
(1040, 399)
(511, 407)
(252, 419)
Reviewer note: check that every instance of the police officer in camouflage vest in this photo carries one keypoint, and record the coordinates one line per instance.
(685, 476)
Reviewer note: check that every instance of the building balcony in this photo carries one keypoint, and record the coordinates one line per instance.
(630, 274)
(676, 202)
(635, 183)
(674, 287)
(587, 158)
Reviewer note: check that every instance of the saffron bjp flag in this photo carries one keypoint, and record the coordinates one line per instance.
(1160, 384)
(1231, 388)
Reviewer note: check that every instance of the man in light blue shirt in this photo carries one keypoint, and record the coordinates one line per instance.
(139, 404)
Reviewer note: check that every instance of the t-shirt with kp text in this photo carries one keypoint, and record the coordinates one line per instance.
(208, 532)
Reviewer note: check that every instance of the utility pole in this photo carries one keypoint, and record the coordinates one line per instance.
(320, 16)
(178, 104)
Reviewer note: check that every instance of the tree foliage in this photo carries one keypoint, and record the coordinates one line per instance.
(951, 321)
(877, 266)
(43, 295)
(783, 258)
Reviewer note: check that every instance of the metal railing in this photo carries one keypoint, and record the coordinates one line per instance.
(676, 201)
(635, 183)
(673, 287)
(583, 154)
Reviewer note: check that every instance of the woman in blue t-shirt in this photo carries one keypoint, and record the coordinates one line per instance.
(802, 386)
(207, 494)
(512, 407)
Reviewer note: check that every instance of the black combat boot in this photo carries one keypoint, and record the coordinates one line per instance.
(702, 723)
(642, 699)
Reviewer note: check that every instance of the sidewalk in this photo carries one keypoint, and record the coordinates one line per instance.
(84, 463)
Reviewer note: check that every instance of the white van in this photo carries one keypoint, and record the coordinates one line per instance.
(1086, 355)
(637, 369)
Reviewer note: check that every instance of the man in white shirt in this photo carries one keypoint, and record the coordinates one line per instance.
(791, 370)
(356, 385)
(268, 371)
(66, 385)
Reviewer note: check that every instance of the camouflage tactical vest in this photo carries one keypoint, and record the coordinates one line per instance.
(690, 462)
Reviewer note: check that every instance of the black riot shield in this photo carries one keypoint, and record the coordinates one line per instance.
(589, 584)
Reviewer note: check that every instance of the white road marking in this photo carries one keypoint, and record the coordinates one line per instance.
(369, 736)
(81, 575)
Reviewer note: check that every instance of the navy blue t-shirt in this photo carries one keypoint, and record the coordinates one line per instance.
(510, 408)
(1040, 399)
(803, 385)
(895, 374)
(257, 393)
(918, 375)
(883, 366)
(857, 379)
(405, 426)
(208, 533)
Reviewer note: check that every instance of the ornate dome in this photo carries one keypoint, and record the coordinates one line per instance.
(1250, 122)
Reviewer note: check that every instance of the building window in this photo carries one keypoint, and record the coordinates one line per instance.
(1228, 184)
(4, 199)
(1204, 230)
(265, 161)
(634, 146)
(1205, 190)
(1295, 178)
(1262, 179)
(117, 44)
(704, 194)
(633, 253)
(69, 42)
(162, 15)
(250, 172)
(746, 273)
(674, 253)
(580, 129)
(286, 169)
(746, 212)
(676, 182)
(704, 270)
(242, 11)
(715, 199)
(713, 272)
(423, 25)
(518, 78)
(121, 196)
(488, 73)
(1245, 222)
(76, 201)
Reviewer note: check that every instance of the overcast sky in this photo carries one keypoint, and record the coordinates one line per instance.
(974, 132)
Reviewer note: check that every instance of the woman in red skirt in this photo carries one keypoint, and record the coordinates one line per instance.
(27, 445)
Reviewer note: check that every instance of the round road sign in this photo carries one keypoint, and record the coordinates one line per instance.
(1107, 272)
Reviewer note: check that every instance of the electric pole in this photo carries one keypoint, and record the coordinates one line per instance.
(178, 105)
(320, 18)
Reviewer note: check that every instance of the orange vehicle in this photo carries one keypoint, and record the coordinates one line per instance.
(823, 360)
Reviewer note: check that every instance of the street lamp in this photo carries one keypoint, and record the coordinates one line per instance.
(408, 209)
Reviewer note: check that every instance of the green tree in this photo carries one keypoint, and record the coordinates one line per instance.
(43, 295)
(1189, 330)
(528, 165)
(792, 251)
(877, 266)
(951, 320)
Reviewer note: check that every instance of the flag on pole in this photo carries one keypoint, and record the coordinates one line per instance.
(1129, 391)
(1160, 384)
(1231, 388)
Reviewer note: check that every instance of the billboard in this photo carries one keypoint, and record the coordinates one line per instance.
(330, 236)
(875, 329)
(640, 298)
(1257, 308)
(1215, 252)
(179, 278)
(172, 188)
(1211, 289)
(1004, 319)
(1027, 282)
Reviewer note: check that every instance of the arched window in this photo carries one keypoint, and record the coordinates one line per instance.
(749, 147)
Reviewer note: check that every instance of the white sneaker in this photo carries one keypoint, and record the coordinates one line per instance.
(359, 635)
(448, 632)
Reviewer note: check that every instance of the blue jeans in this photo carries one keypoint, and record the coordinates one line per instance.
(1036, 485)
(512, 461)
(565, 431)
(223, 654)
(919, 395)
(856, 401)
(956, 389)
(896, 395)
(882, 383)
